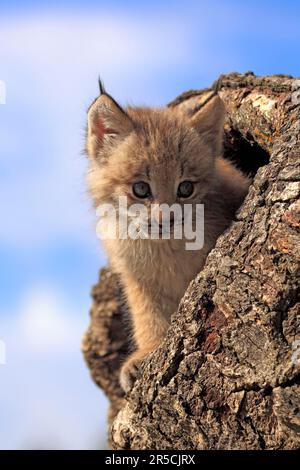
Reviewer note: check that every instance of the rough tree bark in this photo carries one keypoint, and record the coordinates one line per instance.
(227, 374)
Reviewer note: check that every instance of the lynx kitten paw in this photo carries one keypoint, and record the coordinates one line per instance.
(130, 372)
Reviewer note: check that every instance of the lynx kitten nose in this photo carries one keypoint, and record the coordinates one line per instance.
(161, 219)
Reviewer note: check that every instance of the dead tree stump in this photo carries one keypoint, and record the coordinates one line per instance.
(227, 374)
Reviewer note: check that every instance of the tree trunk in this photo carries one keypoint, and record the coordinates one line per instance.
(227, 374)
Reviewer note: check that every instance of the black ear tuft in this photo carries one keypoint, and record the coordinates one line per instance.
(101, 87)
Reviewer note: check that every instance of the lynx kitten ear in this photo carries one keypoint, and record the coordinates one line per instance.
(107, 124)
(209, 122)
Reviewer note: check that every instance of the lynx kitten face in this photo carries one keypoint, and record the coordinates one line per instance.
(151, 156)
(159, 156)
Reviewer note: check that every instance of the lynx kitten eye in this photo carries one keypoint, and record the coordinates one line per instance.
(185, 189)
(141, 189)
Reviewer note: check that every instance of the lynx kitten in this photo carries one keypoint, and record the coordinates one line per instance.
(159, 156)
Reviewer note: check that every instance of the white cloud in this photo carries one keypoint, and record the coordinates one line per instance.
(46, 324)
(63, 54)
(47, 399)
(113, 39)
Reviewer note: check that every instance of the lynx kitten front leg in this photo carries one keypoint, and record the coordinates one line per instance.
(149, 327)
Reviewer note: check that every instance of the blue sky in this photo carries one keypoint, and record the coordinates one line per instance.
(50, 56)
